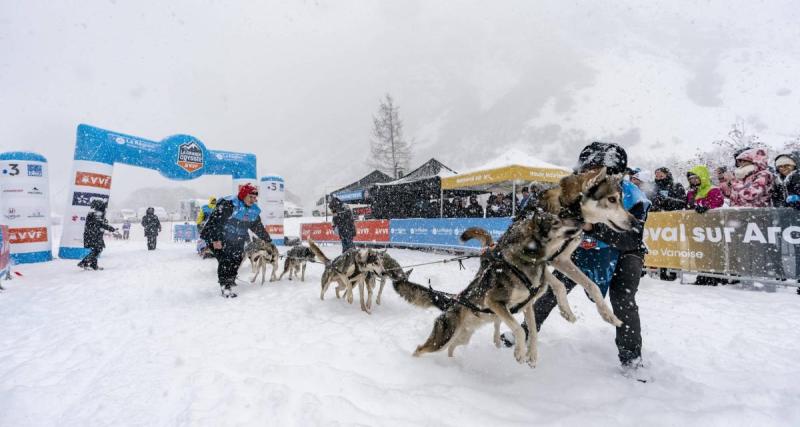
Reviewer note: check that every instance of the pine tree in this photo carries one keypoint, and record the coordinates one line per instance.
(391, 153)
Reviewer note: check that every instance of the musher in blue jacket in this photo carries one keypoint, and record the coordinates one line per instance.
(228, 230)
(612, 259)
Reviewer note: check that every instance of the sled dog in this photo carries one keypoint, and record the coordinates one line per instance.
(261, 253)
(296, 260)
(380, 266)
(515, 272)
(348, 269)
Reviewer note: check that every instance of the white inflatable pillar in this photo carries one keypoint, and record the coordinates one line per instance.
(271, 192)
(26, 205)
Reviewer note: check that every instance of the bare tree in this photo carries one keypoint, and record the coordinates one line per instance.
(391, 153)
(793, 145)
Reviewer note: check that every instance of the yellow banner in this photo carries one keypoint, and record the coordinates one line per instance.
(504, 174)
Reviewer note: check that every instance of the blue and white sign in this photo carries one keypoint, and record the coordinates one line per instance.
(178, 157)
(443, 232)
(347, 196)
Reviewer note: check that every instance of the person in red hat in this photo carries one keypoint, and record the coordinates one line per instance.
(228, 229)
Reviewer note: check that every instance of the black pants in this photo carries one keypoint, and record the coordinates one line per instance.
(151, 241)
(126, 234)
(347, 243)
(230, 258)
(622, 293)
(91, 259)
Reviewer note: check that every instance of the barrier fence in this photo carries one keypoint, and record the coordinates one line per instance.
(737, 242)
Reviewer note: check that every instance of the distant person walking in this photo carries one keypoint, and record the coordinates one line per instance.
(152, 226)
(93, 234)
(126, 229)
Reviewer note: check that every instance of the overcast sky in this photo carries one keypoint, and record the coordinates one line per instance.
(296, 82)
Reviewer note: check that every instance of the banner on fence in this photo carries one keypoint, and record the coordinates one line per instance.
(749, 242)
(443, 232)
(366, 231)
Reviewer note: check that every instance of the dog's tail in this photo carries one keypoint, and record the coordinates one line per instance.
(423, 297)
(317, 251)
(477, 233)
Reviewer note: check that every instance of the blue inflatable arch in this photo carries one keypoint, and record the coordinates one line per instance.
(178, 157)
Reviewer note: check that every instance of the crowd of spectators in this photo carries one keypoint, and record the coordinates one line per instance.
(750, 182)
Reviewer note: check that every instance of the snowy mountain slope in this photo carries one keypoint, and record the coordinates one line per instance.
(149, 341)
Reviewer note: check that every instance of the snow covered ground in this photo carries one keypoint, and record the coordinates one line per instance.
(149, 341)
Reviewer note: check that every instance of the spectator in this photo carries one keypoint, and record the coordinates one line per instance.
(724, 178)
(644, 180)
(493, 205)
(457, 208)
(343, 223)
(703, 196)
(228, 229)
(669, 195)
(752, 182)
(126, 229)
(786, 164)
(152, 226)
(523, 200)
(473, 210)
(93, 234)
(205, 212)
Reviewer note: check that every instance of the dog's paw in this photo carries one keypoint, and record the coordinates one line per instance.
(569, 316)
(520, 354)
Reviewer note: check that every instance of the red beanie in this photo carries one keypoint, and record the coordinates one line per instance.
(247, 189)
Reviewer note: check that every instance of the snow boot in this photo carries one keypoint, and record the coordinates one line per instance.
(227, 292)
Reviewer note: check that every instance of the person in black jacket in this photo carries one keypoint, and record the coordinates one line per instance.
(474, 209)
(152, 226)
(343, 223)
(669, 195)
(93, 234)
(612, 259)
(228, 229)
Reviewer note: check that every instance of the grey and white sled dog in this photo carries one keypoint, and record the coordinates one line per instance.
(296, 260)
(356, 266)
(262, 253)
(516, 271)
(379, 266)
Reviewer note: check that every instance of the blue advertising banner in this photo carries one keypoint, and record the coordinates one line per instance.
(185, 232)
(443, 232)
(347, 196)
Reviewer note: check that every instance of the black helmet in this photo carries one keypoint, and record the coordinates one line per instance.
(97, 205)
(150, 211)
(607, 154)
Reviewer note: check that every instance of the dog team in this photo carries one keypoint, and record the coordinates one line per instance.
(586, 230)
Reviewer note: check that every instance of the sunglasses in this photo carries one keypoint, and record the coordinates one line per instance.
(254, 193)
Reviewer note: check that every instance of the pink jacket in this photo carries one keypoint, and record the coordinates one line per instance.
(713, 200)
(751, 187)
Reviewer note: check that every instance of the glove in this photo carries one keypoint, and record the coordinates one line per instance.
(700, 209)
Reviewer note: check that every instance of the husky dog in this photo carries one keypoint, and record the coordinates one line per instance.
(380, 266)
(350, 268)
(515, 272)
(296, 260)
(260, 253)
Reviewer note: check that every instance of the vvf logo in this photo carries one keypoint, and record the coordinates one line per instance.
(28, 235)
(89, 179)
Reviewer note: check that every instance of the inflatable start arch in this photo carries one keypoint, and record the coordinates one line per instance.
(178, 157)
